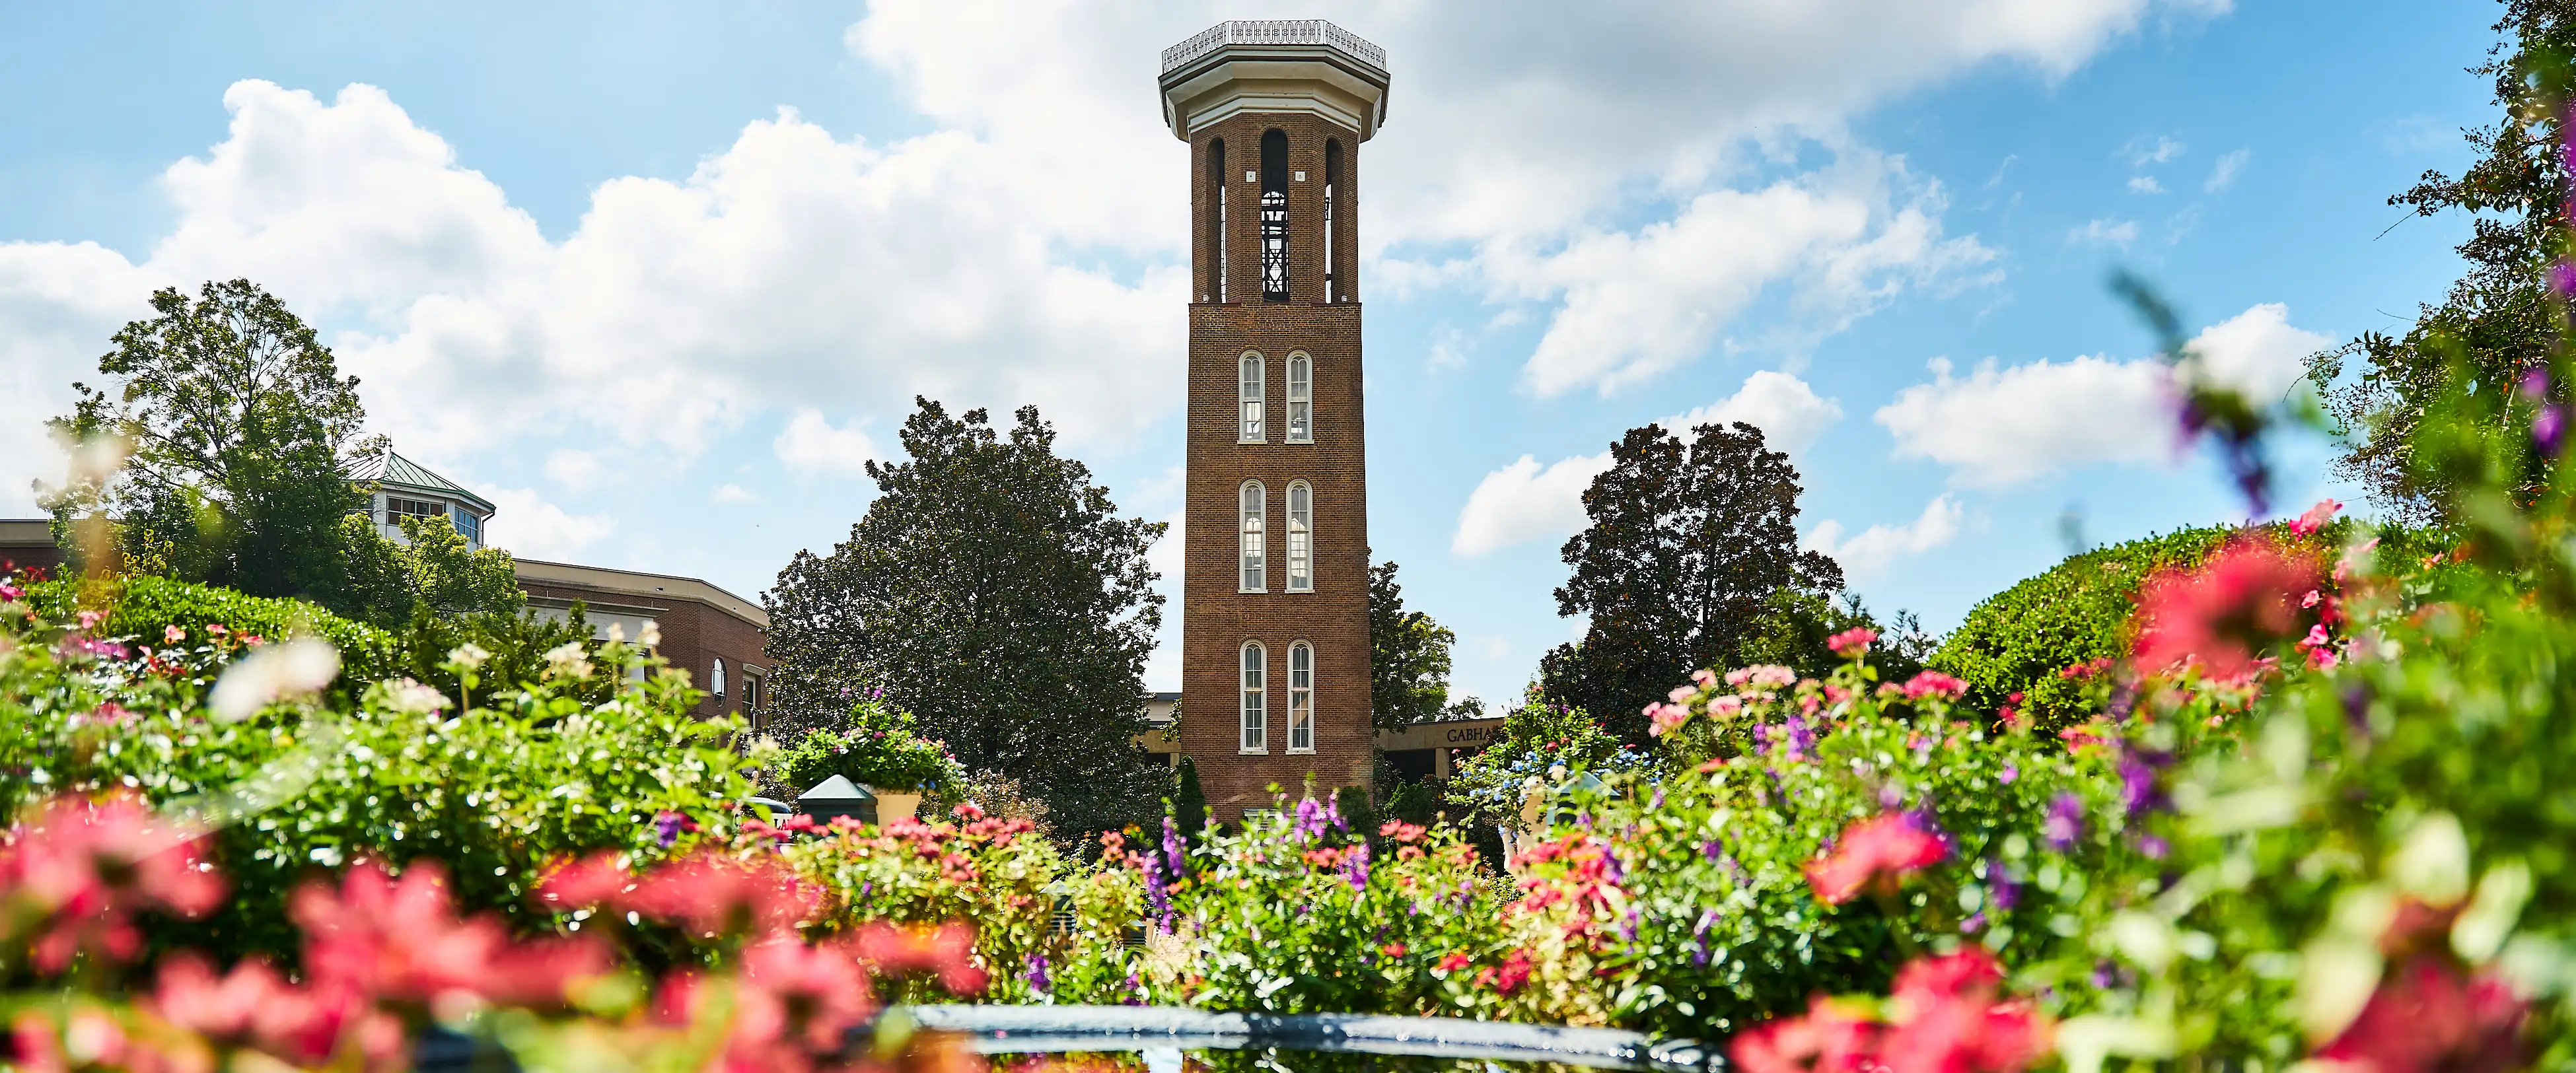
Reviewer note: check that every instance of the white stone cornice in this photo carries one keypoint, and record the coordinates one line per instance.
(1302, 66)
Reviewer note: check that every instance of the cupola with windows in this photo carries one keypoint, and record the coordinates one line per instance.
(399, 488)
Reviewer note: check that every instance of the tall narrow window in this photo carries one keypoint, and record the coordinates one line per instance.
(716, 682)
(1274, 216)
(1301, 396)
(1256, 700)
(1249, 430)
(1332, 183)
(1301, 698)
(1301, 518)
(1216, 210)
(1253, 493)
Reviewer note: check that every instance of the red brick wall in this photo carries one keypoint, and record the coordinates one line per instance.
(693, 635)
(1216, 618)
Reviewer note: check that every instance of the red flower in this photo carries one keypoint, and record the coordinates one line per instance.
(2244, 599)
(80, 869)
(2426, 1016)
(1514, 972)
(1453, 963)
(710, 895)
(589, 881)
(400, 938)
(947, 950)
(1826, 1040)
(1934, 683)
(1873, 855)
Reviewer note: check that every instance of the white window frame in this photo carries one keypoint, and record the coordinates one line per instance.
(1301, 537)
(1251, 394)
(1301, 397)
(1301, 698)
(1253, 562)
(1252, 678)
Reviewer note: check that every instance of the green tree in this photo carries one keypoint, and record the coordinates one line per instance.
(1408, 656)
(1689, 545)
(2500, 318)
(1797, 622)
(433, 570)
(993, 591)
(240, 431)
(1189, 802)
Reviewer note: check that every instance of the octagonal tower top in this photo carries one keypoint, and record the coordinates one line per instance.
(1274, 65)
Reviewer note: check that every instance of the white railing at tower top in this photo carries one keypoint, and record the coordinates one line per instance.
(1273, 32)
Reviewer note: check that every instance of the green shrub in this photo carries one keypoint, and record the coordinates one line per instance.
(143, 607)
(2021, 639)
(877, 746)
(396, 774)
(1537, 736)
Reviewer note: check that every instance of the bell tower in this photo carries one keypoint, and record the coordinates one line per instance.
(1274, 594)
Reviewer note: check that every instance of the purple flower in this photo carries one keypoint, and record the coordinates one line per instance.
(666, 827)
(2562, 279)
(1889, 796)
(1310, 821)
(2549, 429)
(1355, 866)
(2065, 821)
(2138, 790)
(1037, 974)
(2011, 772)
(1158, 900)
(2001, 891)
(1174, 852)
(1709, 851)
(2155, 848)
(1976, 922)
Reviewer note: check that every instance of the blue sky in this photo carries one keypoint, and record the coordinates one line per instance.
(654, 277)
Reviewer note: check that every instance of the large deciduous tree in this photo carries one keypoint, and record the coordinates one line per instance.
(1689, 544)
(993, 591)
(2499, 319)
(238, 436)
(240, 432)
(1408, 656)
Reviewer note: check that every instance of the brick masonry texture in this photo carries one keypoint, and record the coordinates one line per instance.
(693, 636)
(1217, 618)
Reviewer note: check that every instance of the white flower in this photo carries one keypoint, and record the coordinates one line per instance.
(616, 633)
(302, 665)
(568, 661)
(469, 656)
(650, 636)
(410, 697)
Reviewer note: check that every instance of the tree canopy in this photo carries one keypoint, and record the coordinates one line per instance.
(2499, 319)
(1689, 544)
(1408, 657)
(237, 435)
(993, 591)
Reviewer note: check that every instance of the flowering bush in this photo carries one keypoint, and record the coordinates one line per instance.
(1538, 737)
(877, 747)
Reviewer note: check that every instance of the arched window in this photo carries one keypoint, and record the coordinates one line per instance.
(1250, 392)
(1256, 699)
(1301, 698)
(1301, 541)
(716, 682)
(1301, 397)
(1274, 216)
(1216, 222)
(1332, 183)
(1253, 494)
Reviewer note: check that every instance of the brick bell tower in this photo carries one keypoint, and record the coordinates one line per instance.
(1274, 599)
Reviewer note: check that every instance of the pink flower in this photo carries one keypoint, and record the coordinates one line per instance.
(2225, 612)
(1873, 855)
(1704, 677)
(400, 938)
(173, 634)
(2426, 1017)
(1828, 1039)
(2316, 517)
(1662, 719)
(711, 895)
(1852, 643)
(1682, 693)
(1945, 1017)
(1727, 706)
(1934, 684)
(78, 870)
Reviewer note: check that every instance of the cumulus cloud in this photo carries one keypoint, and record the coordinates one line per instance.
(2144, 151)
(1788, 411)
(1528, 501)
(735, 493)
(1871, 551)
(2145, 184)
(572, 469)
(531, 528)
(811, 444)
(1998, 426)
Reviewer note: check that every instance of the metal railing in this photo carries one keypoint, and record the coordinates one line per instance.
(1273, 32)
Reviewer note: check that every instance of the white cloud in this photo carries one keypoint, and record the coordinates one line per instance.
(2145, 184)
(1788, 411)
(1873, 550)
(2224, 174)
(531, 528)
(2000, 426)
(1525, 501)
(572, 469)
(811, 444)
(2104, 233)
(2143, 151)
(735, 493)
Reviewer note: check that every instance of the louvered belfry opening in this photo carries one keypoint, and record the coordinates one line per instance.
(1274, 216)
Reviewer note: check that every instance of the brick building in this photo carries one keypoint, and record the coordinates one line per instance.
(1274, 602)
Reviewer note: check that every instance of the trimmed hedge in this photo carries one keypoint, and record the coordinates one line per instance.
(143, 606)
